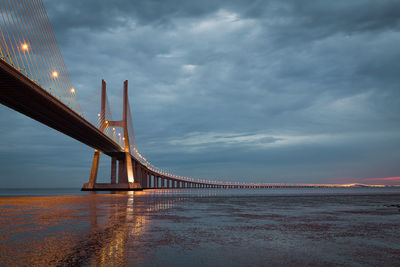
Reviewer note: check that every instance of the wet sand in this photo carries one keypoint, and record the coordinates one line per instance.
(202, 228)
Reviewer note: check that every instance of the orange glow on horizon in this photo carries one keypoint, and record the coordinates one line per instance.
(384, 179)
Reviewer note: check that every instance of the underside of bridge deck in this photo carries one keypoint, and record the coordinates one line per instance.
(25, 96)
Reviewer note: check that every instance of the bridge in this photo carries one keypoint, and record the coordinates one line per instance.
(35, 82)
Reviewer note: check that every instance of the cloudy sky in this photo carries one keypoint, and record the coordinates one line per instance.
(267, 91)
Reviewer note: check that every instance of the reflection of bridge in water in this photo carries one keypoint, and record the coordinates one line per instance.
(93, 229)
(109, 239)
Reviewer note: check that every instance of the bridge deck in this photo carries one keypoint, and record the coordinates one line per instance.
(23, 95)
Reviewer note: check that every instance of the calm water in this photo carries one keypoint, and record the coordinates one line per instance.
(235, 227)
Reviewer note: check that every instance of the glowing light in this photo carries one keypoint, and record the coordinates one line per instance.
(55, 74)
(387, 178)
(113, 129)
(72, 90)
(24, 47)
(98, 114)
(106, 121)
(119, 134)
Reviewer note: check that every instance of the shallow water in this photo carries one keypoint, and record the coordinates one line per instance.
(227, 227)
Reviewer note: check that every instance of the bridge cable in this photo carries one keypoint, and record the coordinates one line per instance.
(54, 64)
(9, 36)
(42, 64)
(32, 46)
(50, 56)
(60, 58)
(19, 22)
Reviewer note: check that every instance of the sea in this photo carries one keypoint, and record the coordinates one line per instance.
(201, 227)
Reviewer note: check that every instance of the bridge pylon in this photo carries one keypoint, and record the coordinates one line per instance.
(126, 178)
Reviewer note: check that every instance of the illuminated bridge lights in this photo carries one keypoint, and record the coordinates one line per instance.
(24, 47)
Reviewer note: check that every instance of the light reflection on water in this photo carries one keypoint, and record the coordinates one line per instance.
(202, 227)
(74, 230)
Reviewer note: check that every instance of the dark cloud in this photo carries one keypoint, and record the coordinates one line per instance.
(274, 91)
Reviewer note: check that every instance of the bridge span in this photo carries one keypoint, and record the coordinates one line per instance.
(35, 82)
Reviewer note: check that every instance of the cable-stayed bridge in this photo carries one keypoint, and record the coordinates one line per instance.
(34, 81)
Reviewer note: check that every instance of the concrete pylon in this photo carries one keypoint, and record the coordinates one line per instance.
(126, 178)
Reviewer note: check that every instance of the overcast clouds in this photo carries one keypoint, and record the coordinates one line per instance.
(267, 91)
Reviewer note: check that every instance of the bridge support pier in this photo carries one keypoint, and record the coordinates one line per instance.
(113, 170)
(125, 174)
(144, 179)
(94, 170)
